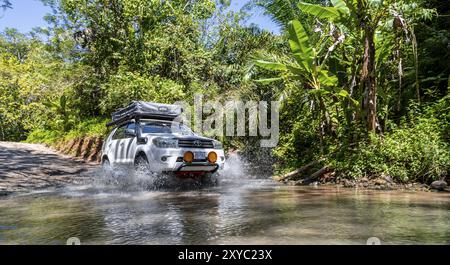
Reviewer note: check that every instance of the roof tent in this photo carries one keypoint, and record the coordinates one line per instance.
(149, 110)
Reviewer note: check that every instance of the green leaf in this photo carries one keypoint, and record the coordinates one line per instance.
(341, 6)
(344, 94)
(62, 102)
(325, 78)
(303, 61)
(299, 43)
(319, 91)
(300, 78)
(273, 66)
(268, 80)
(295, 70)
(322, 12)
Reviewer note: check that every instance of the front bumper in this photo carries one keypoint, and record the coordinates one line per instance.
(171, 160)
(198, 167)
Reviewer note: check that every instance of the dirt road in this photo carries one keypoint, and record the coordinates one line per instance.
(25, 167)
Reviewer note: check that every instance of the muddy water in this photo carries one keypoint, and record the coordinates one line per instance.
(246, 211)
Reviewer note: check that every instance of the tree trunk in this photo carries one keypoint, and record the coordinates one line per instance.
(297, 172)
(319, 172)
(368, 80)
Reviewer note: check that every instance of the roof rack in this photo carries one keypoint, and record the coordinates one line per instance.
(149, 110)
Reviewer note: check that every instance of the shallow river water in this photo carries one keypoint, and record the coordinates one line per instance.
(238, 211)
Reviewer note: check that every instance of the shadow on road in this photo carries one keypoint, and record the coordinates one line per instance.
(28, 166)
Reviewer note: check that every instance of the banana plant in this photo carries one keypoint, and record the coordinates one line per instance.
(338, 12)
(359, 23)
(308, 70)
(361, 19)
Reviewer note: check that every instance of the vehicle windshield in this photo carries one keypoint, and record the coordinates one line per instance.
(165, 127)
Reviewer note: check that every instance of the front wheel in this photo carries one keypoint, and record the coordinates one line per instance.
(141, 164)
(210, 179)
(106, 167)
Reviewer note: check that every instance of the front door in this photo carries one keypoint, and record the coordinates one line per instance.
(114, 145)
(127, 144)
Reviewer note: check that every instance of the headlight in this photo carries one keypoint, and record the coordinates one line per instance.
(217, 145)
(188, 157)
(165, 142)
(212, 157)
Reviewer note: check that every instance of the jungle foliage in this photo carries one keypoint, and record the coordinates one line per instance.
(364, 84)
(364, 93)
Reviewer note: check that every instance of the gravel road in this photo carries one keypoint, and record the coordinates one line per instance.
(26, 167)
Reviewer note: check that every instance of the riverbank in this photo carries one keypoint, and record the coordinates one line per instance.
(376, 183)
(26, 167)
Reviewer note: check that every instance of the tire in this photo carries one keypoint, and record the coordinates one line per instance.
(210, 179)
(106, 164)
(106, 168)
(141, 164)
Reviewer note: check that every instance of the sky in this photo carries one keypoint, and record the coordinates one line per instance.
(27, 14)
(259, 18)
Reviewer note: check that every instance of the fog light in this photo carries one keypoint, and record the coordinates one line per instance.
(212, 157)
(164, 158)
(188, 157)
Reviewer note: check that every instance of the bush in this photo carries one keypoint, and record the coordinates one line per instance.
(44, 136)
(123, 88)
(416, 153)
(90, 127)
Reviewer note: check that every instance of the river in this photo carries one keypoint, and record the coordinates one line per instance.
(238, 211)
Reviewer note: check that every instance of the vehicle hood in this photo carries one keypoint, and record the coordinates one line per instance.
(177, 136)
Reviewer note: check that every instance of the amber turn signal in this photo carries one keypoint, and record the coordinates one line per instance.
(188, 157)
(212, 157)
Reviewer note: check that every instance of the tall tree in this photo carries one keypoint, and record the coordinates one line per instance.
(358, 24)
(4, 4)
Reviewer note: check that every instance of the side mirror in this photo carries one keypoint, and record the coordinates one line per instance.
(130, 132)
(141, 140)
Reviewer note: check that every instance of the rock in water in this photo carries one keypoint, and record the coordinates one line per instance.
(439, 185)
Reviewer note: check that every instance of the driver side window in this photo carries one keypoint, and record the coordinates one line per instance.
(120, 133)
(130, 130)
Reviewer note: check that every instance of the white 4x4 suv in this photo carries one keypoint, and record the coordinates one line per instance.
(146, 134)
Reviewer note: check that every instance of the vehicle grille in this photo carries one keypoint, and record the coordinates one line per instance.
(180, 159)
(195, 143)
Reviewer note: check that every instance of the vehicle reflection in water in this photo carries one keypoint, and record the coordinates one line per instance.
(240, 211)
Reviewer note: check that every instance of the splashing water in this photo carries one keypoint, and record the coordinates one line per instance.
(128, 179)
(234, 167)
(237, 170)
(124, 179)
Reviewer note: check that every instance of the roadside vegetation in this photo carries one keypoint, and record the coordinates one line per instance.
(364, 84)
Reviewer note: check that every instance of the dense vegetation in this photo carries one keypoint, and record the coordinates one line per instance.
(364, 84)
